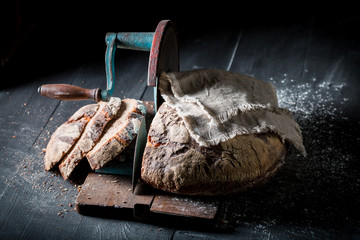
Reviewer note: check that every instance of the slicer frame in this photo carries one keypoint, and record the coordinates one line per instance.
(164, 54)
(164, 57)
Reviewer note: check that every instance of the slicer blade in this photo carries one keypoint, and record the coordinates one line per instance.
(138, 154)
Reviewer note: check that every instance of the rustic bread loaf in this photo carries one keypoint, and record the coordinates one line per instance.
(118, 134)
(90, 136)
(67, 134)
(174, 162)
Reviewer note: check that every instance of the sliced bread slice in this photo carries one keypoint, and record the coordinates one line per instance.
(119, 134)
(67, 134)
(90, 136)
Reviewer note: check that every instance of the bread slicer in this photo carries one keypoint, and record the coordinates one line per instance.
(110, 195)
(164, 57)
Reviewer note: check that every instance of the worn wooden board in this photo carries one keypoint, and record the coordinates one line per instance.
(192, 207)
(108, 195)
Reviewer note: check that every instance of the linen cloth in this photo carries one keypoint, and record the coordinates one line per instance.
(216, 105)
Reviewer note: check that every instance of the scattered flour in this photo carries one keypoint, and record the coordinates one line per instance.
(323, 185)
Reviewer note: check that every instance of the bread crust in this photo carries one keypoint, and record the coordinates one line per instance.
(118, 134)
(90, 136)
(174, 162)
(67, 134)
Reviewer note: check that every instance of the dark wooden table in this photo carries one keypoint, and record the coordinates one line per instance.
(313, 61)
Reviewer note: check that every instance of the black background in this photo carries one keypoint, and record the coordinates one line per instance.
(45, 35)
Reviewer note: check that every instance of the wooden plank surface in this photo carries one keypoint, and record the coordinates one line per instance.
(313, 62)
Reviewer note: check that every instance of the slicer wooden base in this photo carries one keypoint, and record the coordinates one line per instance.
(107, 195)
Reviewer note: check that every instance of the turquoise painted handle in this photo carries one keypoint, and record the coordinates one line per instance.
(110, 40)
(141, 41)
(135, 41)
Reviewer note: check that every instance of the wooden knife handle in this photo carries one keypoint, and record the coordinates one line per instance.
(69, 92)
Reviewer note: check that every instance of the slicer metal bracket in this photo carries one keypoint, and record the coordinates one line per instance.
(164, 54)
